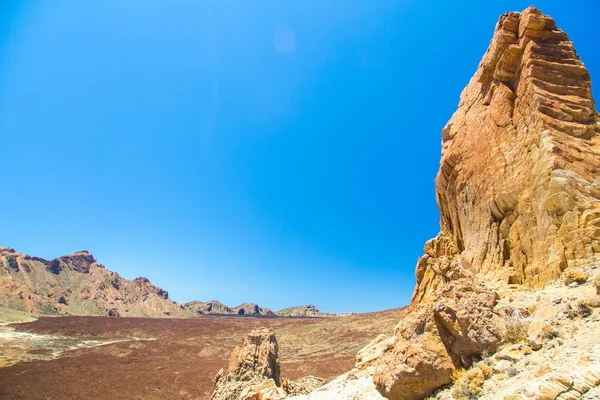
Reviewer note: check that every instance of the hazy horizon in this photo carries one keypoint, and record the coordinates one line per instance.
(276, 153)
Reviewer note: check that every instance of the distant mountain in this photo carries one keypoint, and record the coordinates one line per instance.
(209, 307)
(302, 311)
(215, 307)
(77, 284)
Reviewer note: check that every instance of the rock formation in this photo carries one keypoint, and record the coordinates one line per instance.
(77, 285)
(251, 309)
(302, 311)
(519, 199)
(253, 372)
(207, 308)
(518, 188)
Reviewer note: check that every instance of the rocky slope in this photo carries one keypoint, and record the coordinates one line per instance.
(77, 285)
(519, 200)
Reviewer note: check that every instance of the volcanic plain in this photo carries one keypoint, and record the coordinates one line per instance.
(147, 358)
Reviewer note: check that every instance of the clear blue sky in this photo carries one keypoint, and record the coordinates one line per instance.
(279, 152)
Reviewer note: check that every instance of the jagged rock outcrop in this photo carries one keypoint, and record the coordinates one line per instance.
(434, 339)
(519, 199)
(77, 284)
(253, 372)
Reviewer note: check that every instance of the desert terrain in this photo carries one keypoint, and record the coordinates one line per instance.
(170, 358)
(507, 297)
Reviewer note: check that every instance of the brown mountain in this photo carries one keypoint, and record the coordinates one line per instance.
(77, 285)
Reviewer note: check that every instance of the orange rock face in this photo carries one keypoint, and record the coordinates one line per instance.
(518, 186)
(519, 196)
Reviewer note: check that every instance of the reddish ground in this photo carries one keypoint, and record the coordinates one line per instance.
(184, 358)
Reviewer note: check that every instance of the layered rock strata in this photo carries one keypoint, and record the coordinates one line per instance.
(518, 187)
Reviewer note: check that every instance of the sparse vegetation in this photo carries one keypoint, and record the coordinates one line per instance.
(517, 324)
(548, 332)
(511, 397)
(575, 275)
(468, 385)
(457, 374)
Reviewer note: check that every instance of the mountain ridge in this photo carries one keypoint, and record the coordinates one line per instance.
(76, 284)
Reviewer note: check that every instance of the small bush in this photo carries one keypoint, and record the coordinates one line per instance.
(457, 374)
(485, 369)
(511, 397)
(516, 326)
(468, 384)
(575, 275)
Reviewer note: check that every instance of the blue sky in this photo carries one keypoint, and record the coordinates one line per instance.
(279, 152)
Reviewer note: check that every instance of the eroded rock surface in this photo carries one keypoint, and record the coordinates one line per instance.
(518, 186)
(253, 372)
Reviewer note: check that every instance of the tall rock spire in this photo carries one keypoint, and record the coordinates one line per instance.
(519, 196)
(518, 187)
